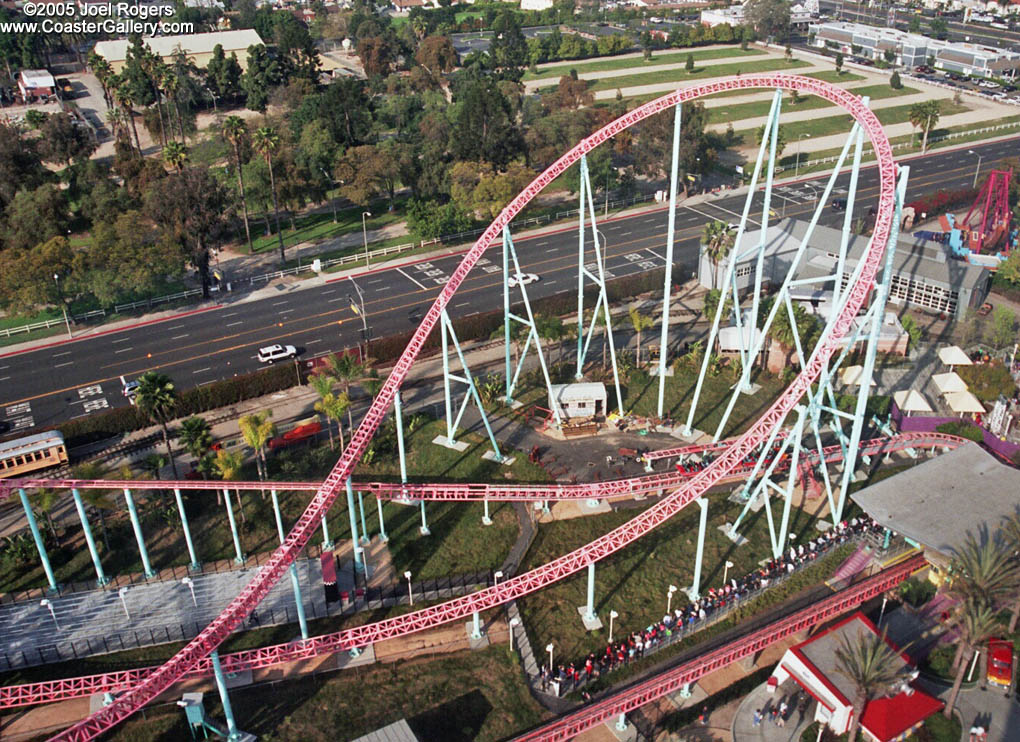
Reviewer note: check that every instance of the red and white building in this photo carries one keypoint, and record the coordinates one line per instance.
(36, 84)
(812, 666)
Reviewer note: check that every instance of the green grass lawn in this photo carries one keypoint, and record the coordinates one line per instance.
(636, 63)
(680, 75)
(756, 109)
(318, 225)
(880, 92)
(833, 76)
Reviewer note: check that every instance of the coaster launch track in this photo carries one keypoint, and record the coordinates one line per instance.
(193, 654)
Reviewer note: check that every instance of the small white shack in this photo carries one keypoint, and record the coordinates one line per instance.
(583, 399)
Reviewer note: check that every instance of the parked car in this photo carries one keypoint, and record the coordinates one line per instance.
(924, 68)
(274, 353)
(129, 389)
(985, 309)
(522, 279)
(1000, 663)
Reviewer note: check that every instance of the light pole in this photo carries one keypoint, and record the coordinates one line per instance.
(364, 234)
(332, 201)
(669, 598)
(63, 306)
(496, 577)
(410, 595)
(796, 168)
(977, 170)
(359, 309)
(45, 603)
(123, 601)
(213, 96)
(514, 623)
(189, 583)
(549, 649)
(612, 616)
(726, 572)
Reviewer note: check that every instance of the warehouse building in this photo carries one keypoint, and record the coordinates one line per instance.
(199, 47)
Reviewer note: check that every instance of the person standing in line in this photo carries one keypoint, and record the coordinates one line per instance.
(757, 718)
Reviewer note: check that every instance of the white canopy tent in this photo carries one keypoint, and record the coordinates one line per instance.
(851, 376)
(954, 356)
(963, 402)
(949, 382)
(910, 400)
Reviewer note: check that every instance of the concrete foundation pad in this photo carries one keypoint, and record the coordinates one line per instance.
(480, 643)
(737, 539)
(442, 440)
(823, 525)
(365, 657)
(589, 625)
(491, 456)
(629, 734)
(860, 475)
(654, 371)
(694, 436)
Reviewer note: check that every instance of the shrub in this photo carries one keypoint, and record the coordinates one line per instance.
(988, 380)
(917, 592)
(942, 201)
(894, 81)
(963, 430)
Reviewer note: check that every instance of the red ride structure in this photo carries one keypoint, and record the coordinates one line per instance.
(191, 657)
(992, 203)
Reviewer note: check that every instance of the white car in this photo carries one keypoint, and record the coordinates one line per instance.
(521, 279)
(130, 389)
(273, 353)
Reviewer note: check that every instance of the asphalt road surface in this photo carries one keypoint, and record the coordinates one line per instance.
(42, 387)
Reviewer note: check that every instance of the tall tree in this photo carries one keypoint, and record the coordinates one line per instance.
(235, 131)
(266, 142)
(925, 116)
(263, 74)
(126, 100)
(768, 17)
(717, 240)
(175, 155)
(346, 369)
(62, 141)
(640, 322)
(873, 668)
(257, 429)
(483, 127)
(976, 621)
(228, 465)
(1011, 534)
(156, 398)
(509, 48)
(196, 437)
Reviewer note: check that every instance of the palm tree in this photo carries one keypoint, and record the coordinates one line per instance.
(1011, 533)
(153, 464)
(196, 437)
(925, 116)
(550, 328)
(984, 569)
(156, 398)
(323, 385)
(977, 621)
(175, 155)
(115, 118)
(266, 141)
(172, 84)
(717, 240)
(872, 666)
(640, 322)
(43, 501)
(236, 132)
(257, 429)
(346, 369)
(98, 500)
(333, 406)
(152, 66)
(126, 101)
(103, 72)
(228, 464)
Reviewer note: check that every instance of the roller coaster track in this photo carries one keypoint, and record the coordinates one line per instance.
(456, 492)
(192, 655)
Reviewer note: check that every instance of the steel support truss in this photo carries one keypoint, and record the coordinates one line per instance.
(195, 653)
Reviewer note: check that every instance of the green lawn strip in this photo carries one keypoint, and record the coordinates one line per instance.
(466, 696)
(755, 109)
(636, 63)
(317, 225)
(680, 75)
(459, 543)
(833, 76)
(879, 92)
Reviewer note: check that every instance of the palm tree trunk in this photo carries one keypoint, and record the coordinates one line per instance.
(276, 209)
(134, 128)
(169, 450)
(240, 507)
(102, 527)
(162, 131)
(855, 722)
(957, 682)
(180, 119)
(329, 430)
(340, 432)
(1014, 616)
(244, 201)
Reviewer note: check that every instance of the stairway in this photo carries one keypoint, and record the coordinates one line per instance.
(850, 568)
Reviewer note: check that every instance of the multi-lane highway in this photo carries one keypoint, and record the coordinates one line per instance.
(47, 385)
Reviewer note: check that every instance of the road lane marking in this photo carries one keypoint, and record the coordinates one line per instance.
(123, 350)
(411, 279)
(234, 324)
(4, 378)
(119, 340)
(229, 314)
(334, 301)
(176, 327)
(61, 365)
(178, 337)
(65, 353)
(201, 371)
(313, 342)
(285, 311)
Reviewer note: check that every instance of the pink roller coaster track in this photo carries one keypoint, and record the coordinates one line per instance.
(191, 656)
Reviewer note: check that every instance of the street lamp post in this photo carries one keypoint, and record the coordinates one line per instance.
(549, 649)
(496, 577)
(359, 309)
(364, 234)
(612, 616)
(63, 306)
(669, 598)
(410, 594)
(123, 601)
(977, 170)
(332, 201)
(796, 168)
(45, 603)
(514, 623)
(726, 572)
(190, 584)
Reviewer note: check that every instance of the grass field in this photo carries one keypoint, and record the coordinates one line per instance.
(318, 225)
(756, 109)
(833, 76)
(680, 75)
(636, 63)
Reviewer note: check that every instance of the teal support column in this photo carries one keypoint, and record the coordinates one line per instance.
(136, 525)
(294, 582)
(591, 592)
(382, 524)
(580, 279)
(327, 542)
(101, 577)
(886, 538)
(694, 591)
(670, 237)
(359, 565)
(37, 537)
(506, 320)
(621, 723)
(364, 529)
(195, 564)
(424, 530)
(398, 415)
(486, 520)
(238, 554)
(476, 626)
(221, 686)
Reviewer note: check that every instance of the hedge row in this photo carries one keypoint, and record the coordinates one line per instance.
(190, 402)
(962, 429)
(942, 201)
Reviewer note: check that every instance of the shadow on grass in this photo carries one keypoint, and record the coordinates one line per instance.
(458, 720)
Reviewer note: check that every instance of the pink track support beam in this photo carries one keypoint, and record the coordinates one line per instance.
(192, 655)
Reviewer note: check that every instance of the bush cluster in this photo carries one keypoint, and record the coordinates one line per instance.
(963, 430)
(942, 201)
